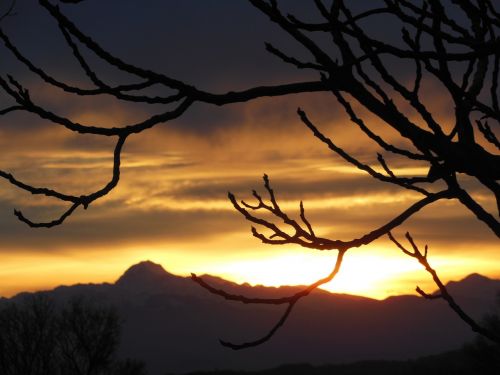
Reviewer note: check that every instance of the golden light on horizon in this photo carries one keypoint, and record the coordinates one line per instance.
(373, 271)
(378, 276)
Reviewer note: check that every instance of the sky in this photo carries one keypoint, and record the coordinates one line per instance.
(171, 204)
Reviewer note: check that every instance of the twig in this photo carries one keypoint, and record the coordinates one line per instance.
(290, 301)
(422, 259)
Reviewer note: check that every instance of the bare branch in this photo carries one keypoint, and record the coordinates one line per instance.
(422, 259)
(11, 109)
(264, 338)
(386, 146)
(479, 211)
(304, 219)
(22, 98)
(428, 296)
(307, 238)
(288, 300)
(49, 224)
(84, 200)
(408, 180)
(108, 57)
(292, 60)
(354, 161)
(274, 14)
(9, 12)
(77, 90)
(488, 133)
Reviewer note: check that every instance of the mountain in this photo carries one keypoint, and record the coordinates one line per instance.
(173, 324)
(148, 277)
(144, 273)
(475, 286)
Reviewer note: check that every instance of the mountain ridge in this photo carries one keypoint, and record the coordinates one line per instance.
(149, 270)
(174, 324)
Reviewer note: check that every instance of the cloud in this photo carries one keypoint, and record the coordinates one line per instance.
(175, 177)
(111, 226)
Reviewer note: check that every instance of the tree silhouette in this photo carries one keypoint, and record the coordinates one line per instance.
(88, 338)
(484, 354)
(453, 44)
(38, 338)
(28, 338)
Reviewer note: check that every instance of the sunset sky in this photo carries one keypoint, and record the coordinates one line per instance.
(171, 204)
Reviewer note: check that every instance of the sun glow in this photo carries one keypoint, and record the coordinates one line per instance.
(366, 275)
(371, 272)
(375, 272)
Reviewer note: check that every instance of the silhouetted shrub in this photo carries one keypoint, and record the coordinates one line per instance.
(37, 338)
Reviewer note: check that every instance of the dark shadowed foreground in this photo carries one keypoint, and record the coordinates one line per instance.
(38, 337)
(458, 362)
(173, 325)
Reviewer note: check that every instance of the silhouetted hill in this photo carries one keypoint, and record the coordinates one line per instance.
(148, 276)
(143, 273)
(475, 286)
(174, 325)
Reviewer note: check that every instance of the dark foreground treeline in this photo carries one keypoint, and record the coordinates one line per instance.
(38, 337)
(480, 357)
(477, 358)
(77, 337)
(460, 362)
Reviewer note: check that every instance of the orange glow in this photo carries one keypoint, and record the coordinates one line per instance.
(372, 272)
(377, 276)
(187, 175)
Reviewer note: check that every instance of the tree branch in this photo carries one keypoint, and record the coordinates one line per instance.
(84, 200)
(303, 236)
(422, 259)
(290, 301)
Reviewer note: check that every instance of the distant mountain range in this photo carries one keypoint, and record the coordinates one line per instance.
(173, 324)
